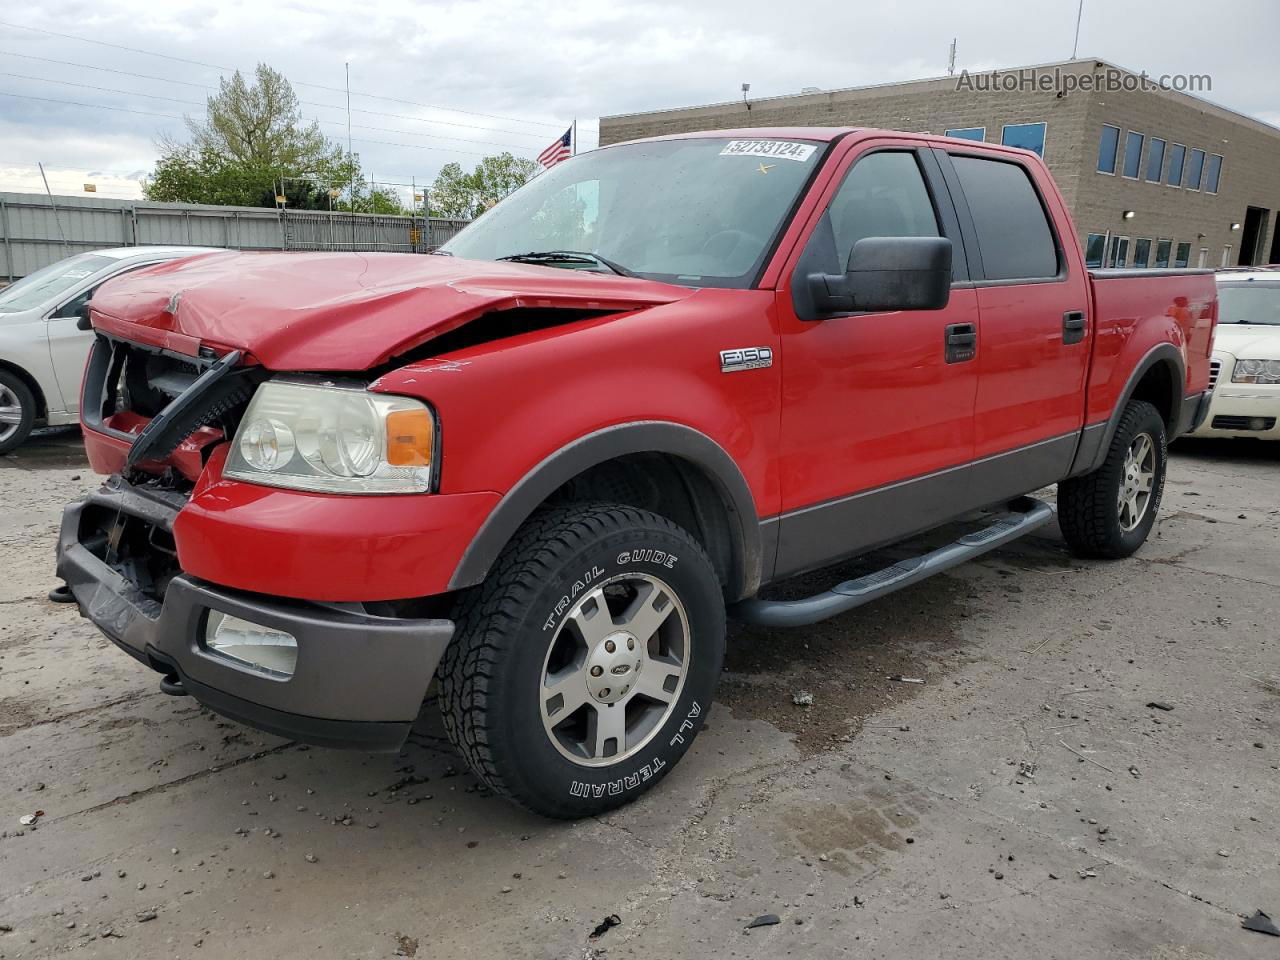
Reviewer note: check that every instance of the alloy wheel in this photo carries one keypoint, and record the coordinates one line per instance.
(614, 669)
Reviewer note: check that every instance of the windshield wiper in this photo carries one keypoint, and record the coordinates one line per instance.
(568, 256)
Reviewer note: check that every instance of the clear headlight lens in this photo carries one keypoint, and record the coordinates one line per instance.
(1256, 371)
(334, 439)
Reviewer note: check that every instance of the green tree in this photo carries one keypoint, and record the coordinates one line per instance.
(458, 194)
(254, 145)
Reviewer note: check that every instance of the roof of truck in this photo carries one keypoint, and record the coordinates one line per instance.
(820, 134)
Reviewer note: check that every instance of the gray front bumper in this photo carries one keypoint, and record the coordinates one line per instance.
(359, 680)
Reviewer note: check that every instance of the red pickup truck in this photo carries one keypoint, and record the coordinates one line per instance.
(544, 463)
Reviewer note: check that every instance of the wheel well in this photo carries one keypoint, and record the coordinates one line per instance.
(42, 408)
(1158, 387)
(672, 487)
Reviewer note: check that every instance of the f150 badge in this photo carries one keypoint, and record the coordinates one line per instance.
(745, 358)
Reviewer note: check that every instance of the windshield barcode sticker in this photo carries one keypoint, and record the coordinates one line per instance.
(779, 149)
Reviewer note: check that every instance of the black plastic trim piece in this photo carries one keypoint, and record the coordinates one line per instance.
(1160, 353)
(1074, 327)
(1089, 449)
(1026, 514)
(649, 436)
(173, 424)
(1195, 408)
(821, 534)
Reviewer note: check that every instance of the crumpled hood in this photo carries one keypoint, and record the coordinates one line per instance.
(341, 311)
(1248, 341)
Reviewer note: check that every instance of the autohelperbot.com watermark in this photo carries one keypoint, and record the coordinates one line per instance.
(1102, 80)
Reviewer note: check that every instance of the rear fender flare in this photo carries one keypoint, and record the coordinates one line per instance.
(1095, 442)
(536, 486)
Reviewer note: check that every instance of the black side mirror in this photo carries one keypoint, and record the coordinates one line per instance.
(82, 317)
(887, 273)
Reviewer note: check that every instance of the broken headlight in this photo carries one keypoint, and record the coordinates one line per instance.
(334, 439)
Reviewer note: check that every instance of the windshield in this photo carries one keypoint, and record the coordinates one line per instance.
(698, 212)
(37, 289)
(1250, 301)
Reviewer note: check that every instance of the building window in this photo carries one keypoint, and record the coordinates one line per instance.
(1133, 154)
(967, 133)
(1177, 159)
(1203, 259)
(1226, 255)
(1094, 247)
(1141, 252)
(1163, 249)
(1183, 255)
(1213, 174)
(1108, 145)
(1026, 136)
(1155, 160)
(1119, 255)
(1195, 168)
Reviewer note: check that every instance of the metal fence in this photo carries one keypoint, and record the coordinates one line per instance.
(35, 232)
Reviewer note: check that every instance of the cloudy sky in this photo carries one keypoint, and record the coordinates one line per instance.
(88, 86)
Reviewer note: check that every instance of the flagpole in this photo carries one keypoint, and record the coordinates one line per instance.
(575, 133)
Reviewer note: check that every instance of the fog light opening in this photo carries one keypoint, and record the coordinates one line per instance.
(263, 649)
(1258, 423)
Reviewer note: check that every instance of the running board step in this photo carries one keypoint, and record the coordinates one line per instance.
(1025, 514)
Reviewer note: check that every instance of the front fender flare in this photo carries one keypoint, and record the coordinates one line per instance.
(533, 489)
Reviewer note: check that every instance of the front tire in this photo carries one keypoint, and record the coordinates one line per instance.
(17, 411)
(1109, 513)
(584, 665)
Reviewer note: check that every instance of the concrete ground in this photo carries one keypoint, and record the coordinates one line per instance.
(1027, 800)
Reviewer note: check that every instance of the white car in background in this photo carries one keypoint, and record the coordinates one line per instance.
(42, 348)
(1244, 373)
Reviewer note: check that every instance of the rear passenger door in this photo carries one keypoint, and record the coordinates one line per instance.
(1034, 333)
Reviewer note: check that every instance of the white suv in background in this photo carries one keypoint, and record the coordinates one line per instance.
(42, 348)
(1245, 370)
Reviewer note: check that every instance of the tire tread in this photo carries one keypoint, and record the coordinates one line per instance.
(487, 615)
(1086, 504)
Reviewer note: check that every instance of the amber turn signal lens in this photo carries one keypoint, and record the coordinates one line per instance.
(409, 438)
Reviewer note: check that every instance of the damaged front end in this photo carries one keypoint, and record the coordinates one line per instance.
(153, 411)
(327, 673)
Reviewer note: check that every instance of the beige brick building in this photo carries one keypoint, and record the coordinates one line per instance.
(1153, 176)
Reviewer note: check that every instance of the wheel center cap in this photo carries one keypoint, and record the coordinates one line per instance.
(613, 667)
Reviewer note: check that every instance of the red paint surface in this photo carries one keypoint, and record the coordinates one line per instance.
(320, 546)
(340, 311)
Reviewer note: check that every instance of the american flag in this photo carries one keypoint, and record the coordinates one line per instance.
(560, 149)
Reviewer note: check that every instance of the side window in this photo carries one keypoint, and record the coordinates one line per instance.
(70, 309)
(1014, 236)
(884, 195)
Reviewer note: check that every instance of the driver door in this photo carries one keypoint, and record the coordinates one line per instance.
(877, 408)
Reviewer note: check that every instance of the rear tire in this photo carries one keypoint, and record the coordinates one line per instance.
(584, 665)
(1109, 513)
(17, 411)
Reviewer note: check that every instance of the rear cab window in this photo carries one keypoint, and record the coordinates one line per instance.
(1015, 238)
